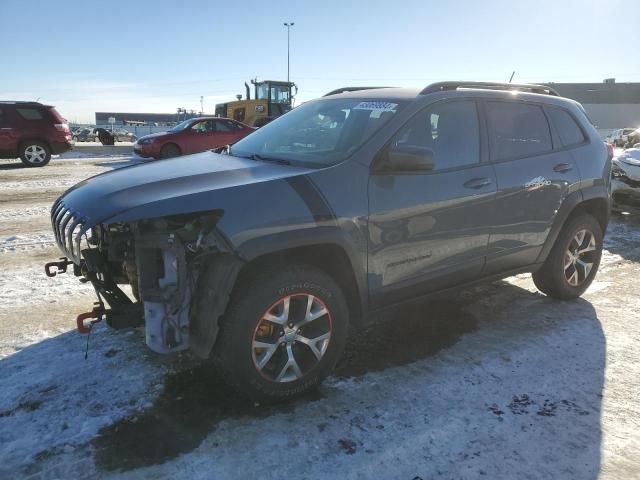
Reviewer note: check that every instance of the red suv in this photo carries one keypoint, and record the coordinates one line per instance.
(33, 132)
(192, 136)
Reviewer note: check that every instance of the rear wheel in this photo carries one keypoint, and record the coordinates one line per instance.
(170, 150)
(35, 154)
(283, 334)
(573, 261)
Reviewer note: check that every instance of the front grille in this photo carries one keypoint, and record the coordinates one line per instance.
(68, 228)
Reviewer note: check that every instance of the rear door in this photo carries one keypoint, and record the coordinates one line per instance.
(226, 133)
(534, 174)
(429, 230)
(8, 140)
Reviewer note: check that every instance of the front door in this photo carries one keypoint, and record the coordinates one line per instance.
(429, 230)
(534, 172)
(201, 136)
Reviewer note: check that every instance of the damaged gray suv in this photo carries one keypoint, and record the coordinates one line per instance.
(261, 256)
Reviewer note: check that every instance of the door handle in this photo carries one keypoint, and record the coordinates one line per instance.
(562, 167)
(477, 182)
(6, 129)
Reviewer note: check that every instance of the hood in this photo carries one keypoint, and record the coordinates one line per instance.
(167, 187)
(155, 135)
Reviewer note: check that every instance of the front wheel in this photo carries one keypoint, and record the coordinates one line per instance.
(574, 259)
(170, 150)
(282, 333)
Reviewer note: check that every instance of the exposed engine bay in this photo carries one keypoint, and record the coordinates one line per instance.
(180, 269)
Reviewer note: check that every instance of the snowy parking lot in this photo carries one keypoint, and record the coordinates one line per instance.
(495, 381)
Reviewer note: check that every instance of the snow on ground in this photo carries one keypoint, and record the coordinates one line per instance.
(495, 382)
(13, 213)
(17, 242)
(54, 401)
(28, 282)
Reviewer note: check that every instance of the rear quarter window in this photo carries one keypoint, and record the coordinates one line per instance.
(568, 129)
(30, 113)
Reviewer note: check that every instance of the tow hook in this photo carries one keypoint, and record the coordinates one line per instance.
(97, 314)
(61, 267)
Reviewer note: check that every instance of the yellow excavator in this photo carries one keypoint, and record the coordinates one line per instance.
(271, 99)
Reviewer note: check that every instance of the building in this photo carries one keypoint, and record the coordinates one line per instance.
(160, 119)
(610, 105)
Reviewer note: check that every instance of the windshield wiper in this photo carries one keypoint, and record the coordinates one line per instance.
(255, 156)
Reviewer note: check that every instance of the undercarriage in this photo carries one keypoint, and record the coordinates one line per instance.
(169, 263)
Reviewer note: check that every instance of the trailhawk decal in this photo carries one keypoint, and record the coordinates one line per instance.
(536, 184)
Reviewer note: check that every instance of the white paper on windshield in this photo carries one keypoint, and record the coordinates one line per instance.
(377, 106)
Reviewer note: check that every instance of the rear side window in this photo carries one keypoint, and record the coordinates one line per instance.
(224, 126)
(30, 113)
(567, 128)
(517, 130)
(449, 129)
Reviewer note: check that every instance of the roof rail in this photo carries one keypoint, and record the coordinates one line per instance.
(533, 88)
(20, 102)
(349, 89)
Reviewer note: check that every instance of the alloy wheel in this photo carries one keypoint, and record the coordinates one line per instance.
(580, 257)
(35, 154)
(292, 337)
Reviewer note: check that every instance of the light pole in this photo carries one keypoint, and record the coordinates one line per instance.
(288, 25)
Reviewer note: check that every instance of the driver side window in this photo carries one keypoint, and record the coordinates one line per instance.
(204, 126)
(449, 129)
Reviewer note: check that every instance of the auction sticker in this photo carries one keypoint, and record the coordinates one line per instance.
(377, 106)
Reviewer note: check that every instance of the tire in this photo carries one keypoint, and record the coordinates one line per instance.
(170, 150)
(267, 373)
(75, 139)
(35, 154)
(556, 277)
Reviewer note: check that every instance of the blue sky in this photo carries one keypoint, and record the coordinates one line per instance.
(159, 55)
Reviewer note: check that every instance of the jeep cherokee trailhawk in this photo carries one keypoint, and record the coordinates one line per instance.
(260, 256)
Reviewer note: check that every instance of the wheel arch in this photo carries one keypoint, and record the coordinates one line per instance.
(169, 144)
(33, 139)
(594, 200)
(331, 258)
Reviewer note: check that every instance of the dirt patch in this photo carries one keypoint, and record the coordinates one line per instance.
(196, 400)
(25, 226)
(8, 198)
(29, 405)
(192, 404)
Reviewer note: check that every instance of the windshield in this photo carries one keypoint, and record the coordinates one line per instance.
(319, 133)
(181, 126)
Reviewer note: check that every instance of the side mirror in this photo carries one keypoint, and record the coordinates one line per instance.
(408, 158)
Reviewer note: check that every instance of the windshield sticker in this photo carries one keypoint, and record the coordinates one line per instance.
(376, 106)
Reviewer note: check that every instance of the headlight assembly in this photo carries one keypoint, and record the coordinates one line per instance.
(617, 172)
